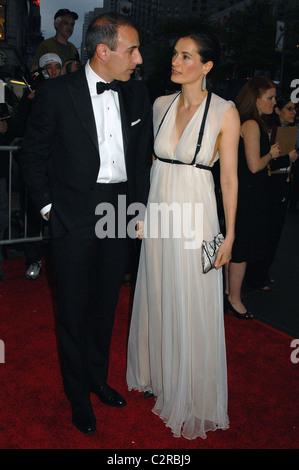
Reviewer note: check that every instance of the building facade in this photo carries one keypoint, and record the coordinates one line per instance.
(19, 35)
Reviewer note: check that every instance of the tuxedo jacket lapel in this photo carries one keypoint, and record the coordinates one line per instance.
(125, 103)
(82, 101)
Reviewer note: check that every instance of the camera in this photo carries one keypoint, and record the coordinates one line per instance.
(4, 109)
(38, 76)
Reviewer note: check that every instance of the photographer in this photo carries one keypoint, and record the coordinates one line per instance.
(64, 23)
(3, 192)
(7, 115)
(50, 67)
(52, 64)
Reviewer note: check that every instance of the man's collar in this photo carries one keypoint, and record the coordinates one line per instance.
(92, 78)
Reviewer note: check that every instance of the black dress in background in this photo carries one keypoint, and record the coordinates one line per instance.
(252, 219)
(257, 273)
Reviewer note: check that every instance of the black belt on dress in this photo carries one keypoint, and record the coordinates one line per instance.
(178, 162)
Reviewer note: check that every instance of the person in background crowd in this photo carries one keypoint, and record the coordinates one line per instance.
(256, 99)
(257, 273)
(3, 191)
(71, 66)
(7, 123)
(287, 116)
(64, 23)
(88, 143)
(52, 64)
(33, 250)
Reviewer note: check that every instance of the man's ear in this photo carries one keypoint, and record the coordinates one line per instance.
(103, 52)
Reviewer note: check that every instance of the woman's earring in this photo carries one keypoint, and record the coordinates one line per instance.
(204, 83)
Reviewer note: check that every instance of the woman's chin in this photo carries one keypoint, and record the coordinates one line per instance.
(175, 78)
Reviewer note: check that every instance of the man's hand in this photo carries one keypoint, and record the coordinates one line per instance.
(139, 230)
(3, 127)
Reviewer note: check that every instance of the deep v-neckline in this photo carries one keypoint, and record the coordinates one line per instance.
(176, 141)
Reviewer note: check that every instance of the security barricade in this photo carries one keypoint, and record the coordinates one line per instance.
(16, 236)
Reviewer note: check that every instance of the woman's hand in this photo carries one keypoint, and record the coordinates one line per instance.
(293, 155)
(224, 253)
(3, 127)
(275, 150)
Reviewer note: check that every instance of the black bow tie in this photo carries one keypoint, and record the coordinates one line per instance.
(101, 86)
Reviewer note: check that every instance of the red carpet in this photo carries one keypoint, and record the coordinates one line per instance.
(263, 383)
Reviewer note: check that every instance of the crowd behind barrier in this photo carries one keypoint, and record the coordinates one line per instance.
(17, 229)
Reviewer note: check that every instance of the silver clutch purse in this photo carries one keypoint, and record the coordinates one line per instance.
(209, 252)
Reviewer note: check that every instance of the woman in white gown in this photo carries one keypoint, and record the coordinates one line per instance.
(176, 346)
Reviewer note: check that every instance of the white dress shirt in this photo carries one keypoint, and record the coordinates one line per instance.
(108, 122)
(109, 131)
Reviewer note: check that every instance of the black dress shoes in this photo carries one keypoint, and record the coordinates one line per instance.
(83, 419)
(108, 396)
(242, 316)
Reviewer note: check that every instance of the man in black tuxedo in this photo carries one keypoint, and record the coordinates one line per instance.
(85, 146)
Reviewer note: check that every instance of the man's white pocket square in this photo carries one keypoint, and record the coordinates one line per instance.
(135, 122)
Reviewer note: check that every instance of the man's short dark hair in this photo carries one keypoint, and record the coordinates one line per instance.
(104, 29)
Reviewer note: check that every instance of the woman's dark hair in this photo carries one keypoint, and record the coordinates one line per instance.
(208, 46)
(282, 100)
(104, 29)
(246, 99)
